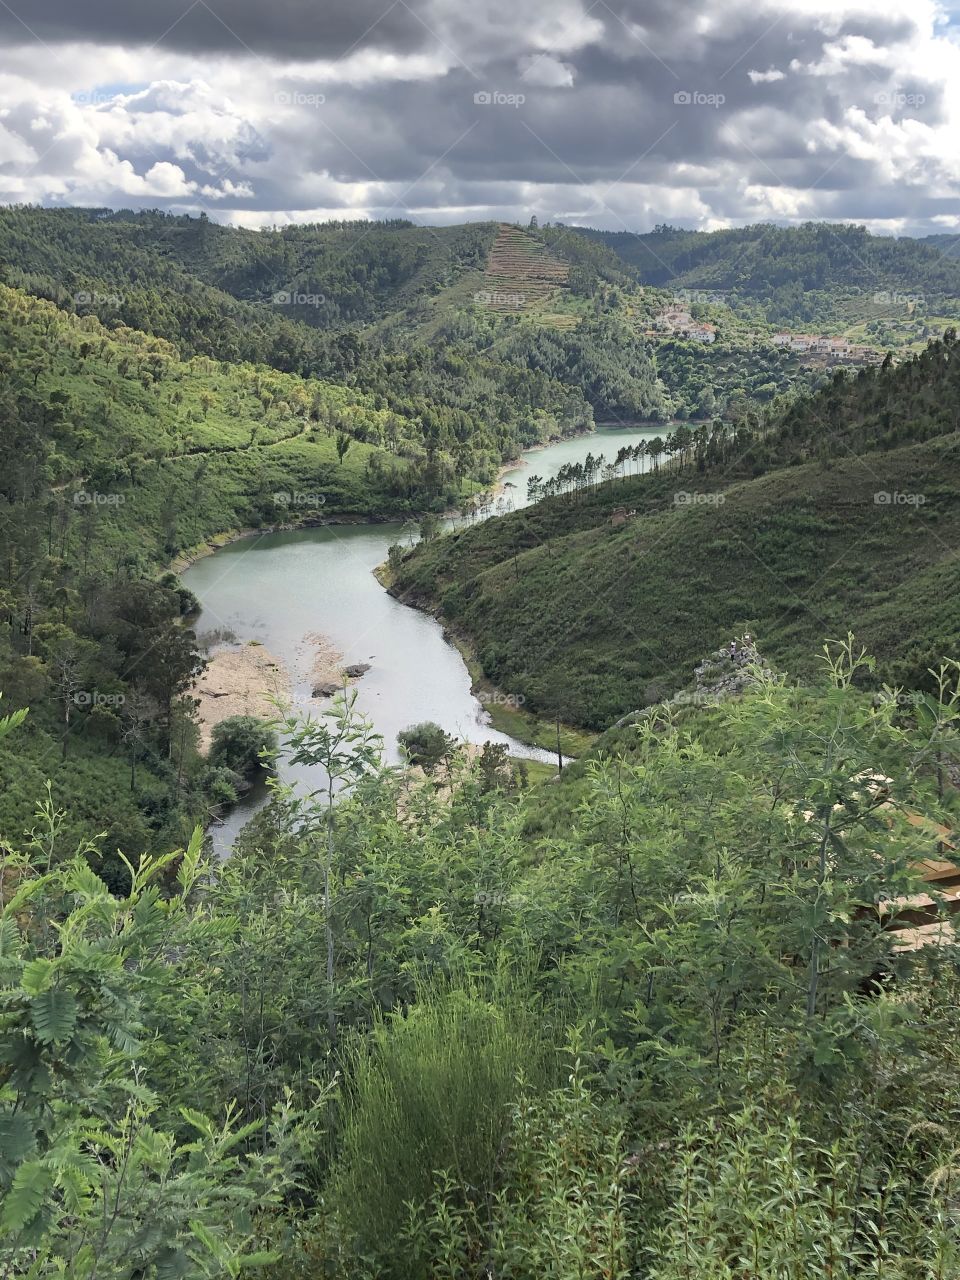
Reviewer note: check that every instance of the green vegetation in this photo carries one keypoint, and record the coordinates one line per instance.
(839, 507)
(242, 744)
(644, 1021)
(819, 274)
(649, 1016)
(426, 744)
(116, 457)
(158, 389)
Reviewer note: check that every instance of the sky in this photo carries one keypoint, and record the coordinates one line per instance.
(619, 114)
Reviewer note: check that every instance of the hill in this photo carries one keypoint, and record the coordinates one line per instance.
(834, 515)
(430, 319)
(116, 456)
(833, 275)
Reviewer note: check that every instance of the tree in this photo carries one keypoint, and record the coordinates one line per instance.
(426, 745)
(429, 527)
(343, 444)
(346, 749)
(137, 713)
(243, 744)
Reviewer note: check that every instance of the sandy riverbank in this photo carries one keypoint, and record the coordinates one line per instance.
(239, 681)
(246, 680)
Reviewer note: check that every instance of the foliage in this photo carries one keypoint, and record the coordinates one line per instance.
(430, 1093)
(242, 744)
(426, 744)
(733, 524)
(101, 1174)
(761, 1078)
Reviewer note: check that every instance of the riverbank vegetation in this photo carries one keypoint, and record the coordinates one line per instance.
(839, 506)
(647, 1020)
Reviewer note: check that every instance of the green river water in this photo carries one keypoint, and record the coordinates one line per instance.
(278, 588)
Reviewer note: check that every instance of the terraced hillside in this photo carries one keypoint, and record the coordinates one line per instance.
(521, 274)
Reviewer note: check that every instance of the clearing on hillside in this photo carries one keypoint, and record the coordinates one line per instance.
(521, 274)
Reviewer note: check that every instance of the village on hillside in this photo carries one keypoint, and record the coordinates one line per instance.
(677, 321)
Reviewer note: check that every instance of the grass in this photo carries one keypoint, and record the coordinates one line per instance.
(538, 771)
(514, 720)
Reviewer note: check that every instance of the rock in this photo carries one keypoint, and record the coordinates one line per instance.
(727, 673)
(325, 689)
(356, 669)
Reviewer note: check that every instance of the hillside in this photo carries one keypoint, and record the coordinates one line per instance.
(448, 323)
(831, 517)
(817, 274)
(115, 458)
(520, 274)
(609, 1021)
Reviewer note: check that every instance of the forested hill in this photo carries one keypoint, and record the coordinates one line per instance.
(843, 512)
(347, 273)
(395, 310)
(777, 266)
(115, 457)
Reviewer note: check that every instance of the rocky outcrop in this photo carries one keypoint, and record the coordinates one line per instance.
(726, 673)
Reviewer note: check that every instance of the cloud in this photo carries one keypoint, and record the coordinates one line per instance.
(621, 114)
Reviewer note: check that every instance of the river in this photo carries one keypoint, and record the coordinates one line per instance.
(279, 587)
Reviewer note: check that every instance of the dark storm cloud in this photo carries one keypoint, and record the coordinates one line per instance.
(282, 28)
(698, 109)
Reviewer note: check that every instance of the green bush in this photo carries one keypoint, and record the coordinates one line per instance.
(430, 1094)
(425, 744)
(239, 743)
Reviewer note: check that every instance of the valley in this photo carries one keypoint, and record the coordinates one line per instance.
(479, 752)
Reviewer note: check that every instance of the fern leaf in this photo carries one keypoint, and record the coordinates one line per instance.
(17, 1141)
(37, 975)
(25, 1198)
(54, 1015)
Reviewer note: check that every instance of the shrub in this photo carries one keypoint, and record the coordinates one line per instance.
(237, 744)
(431, 1094)
(426, 744)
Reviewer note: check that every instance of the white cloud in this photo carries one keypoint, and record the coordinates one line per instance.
(545, 70)
(865, 126)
